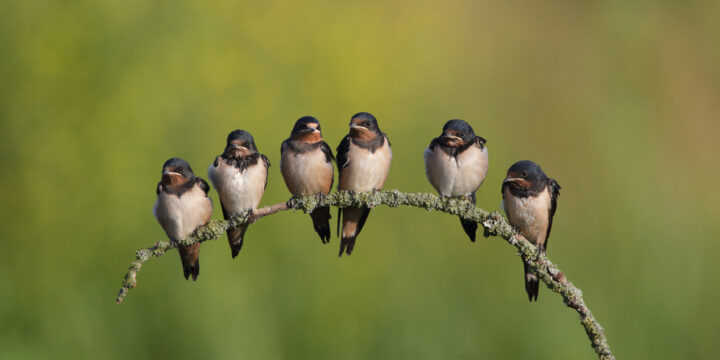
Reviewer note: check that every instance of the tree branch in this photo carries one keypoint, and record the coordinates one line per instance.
(493, 224)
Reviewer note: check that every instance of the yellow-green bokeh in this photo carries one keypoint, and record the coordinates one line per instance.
(618, 101)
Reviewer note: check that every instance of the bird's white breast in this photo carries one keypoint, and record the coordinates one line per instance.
(179, 216)
(529, 214)
(365, 170)
(306, 173)
(456, 176)
(239, 191)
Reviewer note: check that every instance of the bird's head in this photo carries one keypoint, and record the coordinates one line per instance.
(307, 129)
(457, 134)
(526, 175)
(176, 172)
(239, 145)
(364, 126)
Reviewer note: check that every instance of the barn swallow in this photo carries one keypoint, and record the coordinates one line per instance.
(240, 176)
(363, 160)
(456, 163)
(306, 165)
(183, 205)
(530, 201)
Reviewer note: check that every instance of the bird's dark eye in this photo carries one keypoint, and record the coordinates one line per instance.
(461, 134)
(367, 124)
(524, 173)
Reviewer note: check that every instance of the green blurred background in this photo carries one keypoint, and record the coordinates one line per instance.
(618, 101)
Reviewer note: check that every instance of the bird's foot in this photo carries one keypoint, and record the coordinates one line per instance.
(252, 218)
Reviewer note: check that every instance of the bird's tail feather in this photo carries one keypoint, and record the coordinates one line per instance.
(353, 221)
(347, 244)
(321, 223)
(470, 228)
(190, 258)
(339, 221)
(532, 284)
(235, 239)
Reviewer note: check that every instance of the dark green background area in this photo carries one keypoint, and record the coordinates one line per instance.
(619, 102)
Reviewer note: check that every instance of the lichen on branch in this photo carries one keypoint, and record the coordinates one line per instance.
(493, 224)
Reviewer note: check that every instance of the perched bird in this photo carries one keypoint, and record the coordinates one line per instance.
(456, 163)
(363, 160)
(240, 176)
(183, 205)
(306, 165)
(530, 201)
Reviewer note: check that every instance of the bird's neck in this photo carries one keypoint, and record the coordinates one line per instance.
(243, 161)
(177, 184)
(368, 142)
(172, 180)
(454, 150)
(310, 138)
(362, 134)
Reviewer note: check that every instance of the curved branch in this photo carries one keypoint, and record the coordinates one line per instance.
(493, 224)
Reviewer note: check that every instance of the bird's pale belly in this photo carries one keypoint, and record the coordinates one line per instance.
(180, 216)
(366, 171)
(529, 214)
(459, 176)
(307, 173)
(239, 190)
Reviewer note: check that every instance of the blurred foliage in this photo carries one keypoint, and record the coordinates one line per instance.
(618, 101)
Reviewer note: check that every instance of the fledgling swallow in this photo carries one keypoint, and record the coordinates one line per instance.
(456, 163)
(306, 165)
(240, 176)
(182, 206)
(530, 201)
(363, 160)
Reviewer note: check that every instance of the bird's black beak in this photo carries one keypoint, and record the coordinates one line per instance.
(451, 140)
(508, 180)
(170, 177)
(448, 137)
(518, 181)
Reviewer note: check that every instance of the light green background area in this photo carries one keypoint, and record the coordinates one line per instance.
(618, 101)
